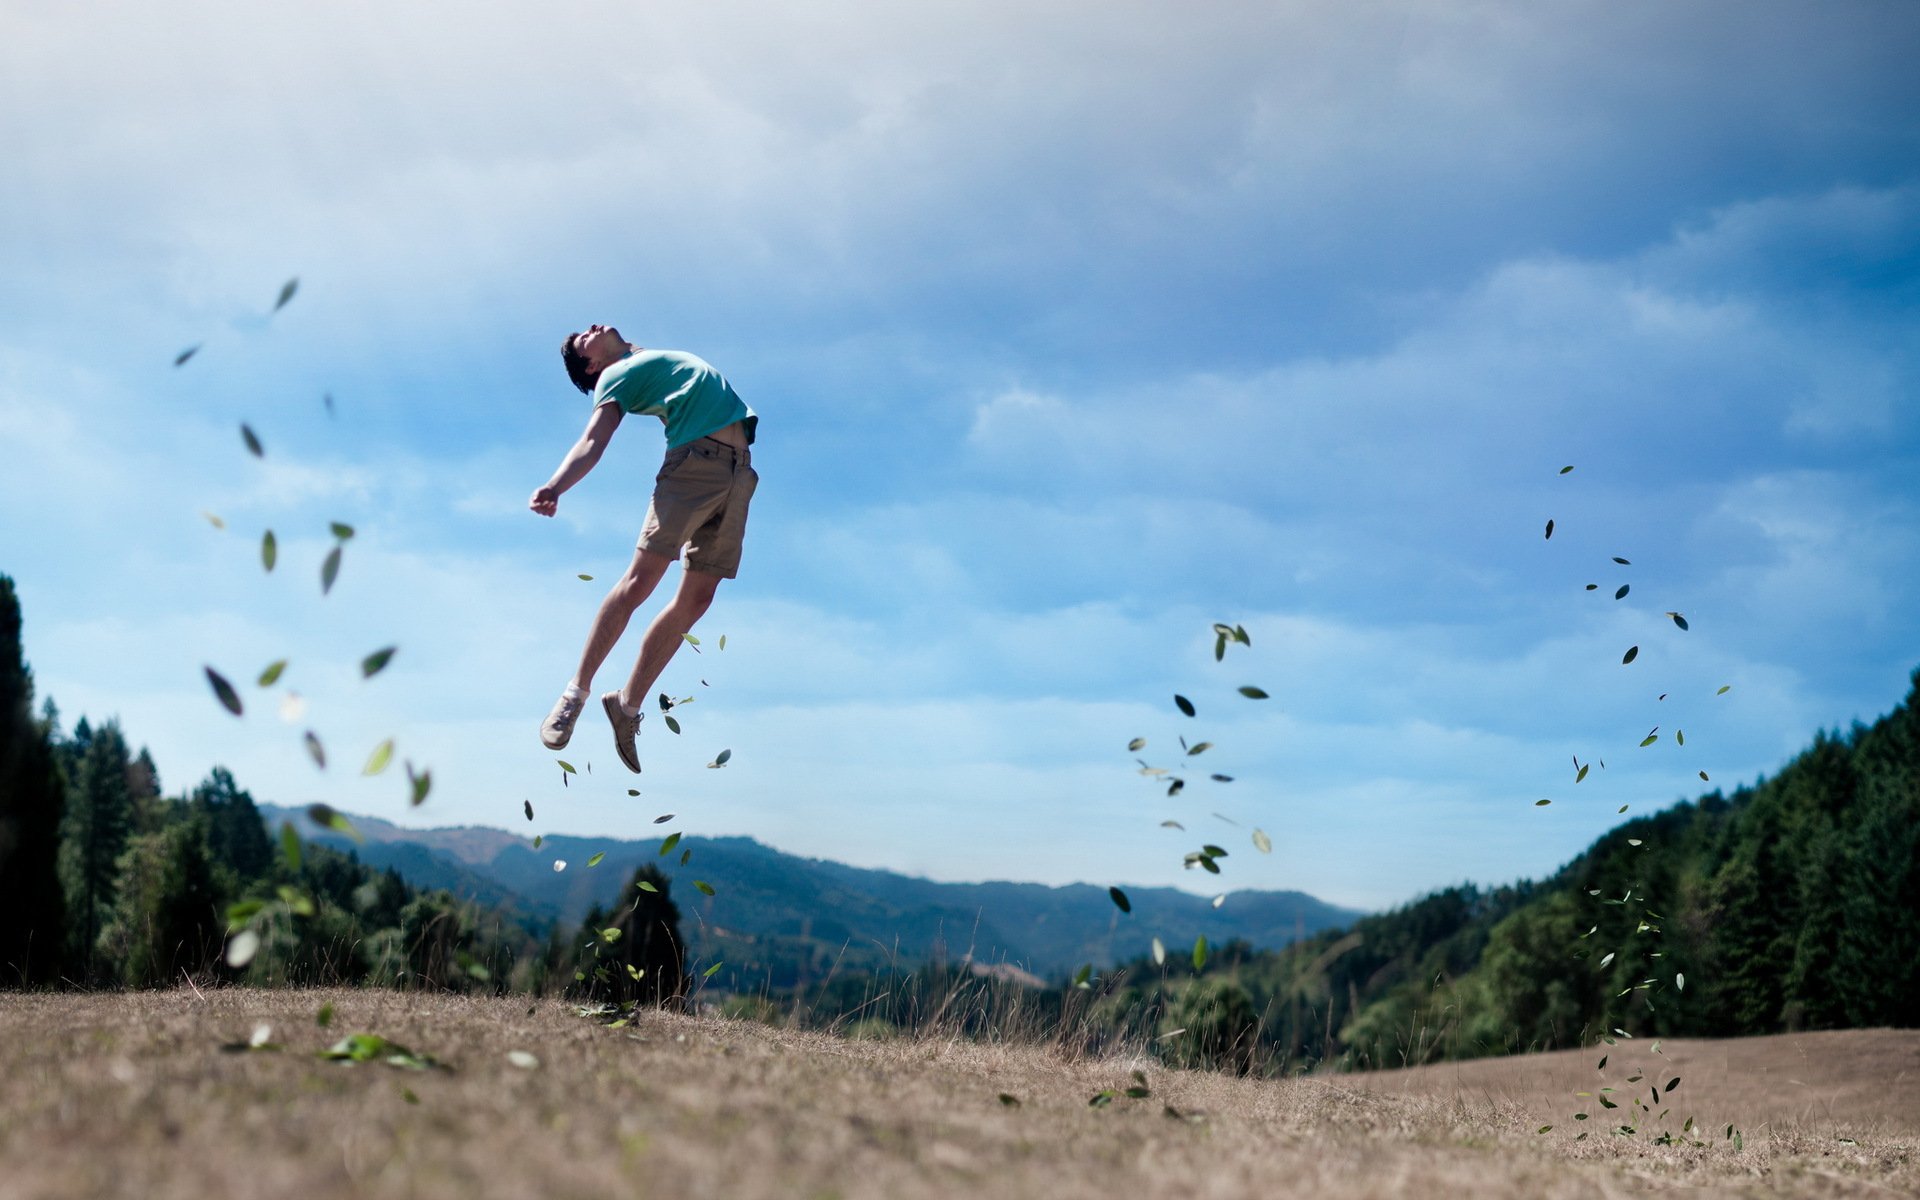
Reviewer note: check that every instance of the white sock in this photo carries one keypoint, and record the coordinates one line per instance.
(574, 693)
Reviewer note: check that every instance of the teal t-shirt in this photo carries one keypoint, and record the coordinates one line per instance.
(681, 389)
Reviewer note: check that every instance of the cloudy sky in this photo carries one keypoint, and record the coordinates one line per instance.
(1074, 329)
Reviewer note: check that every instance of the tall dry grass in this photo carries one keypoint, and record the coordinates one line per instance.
(132, 1095)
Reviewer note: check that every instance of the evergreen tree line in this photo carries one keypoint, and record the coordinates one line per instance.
(1792, 904)
(105, 881)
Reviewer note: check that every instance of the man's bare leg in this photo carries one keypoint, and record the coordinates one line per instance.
(664, 635)
(643, 575)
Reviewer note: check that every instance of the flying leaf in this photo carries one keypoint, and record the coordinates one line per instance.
(343, 532)
(1200, 747)
(523, 1060)
(672, 725)
(1632, 653)
(666, 847)
(685, 857)
(242, 948)
(1219, 647)
(1183, 704)
(1582, 774)
(1680, 737)
(1724, 689)
(315, 751)
(181, 358)
(290, 846)
(691, 640)
(271, 675)
(252, 440)
(1549, 529)
(723, 644)
(1081, 976)
(213, 519)
(1120, 900)
(1171, 825)
(223, 691)
(663, 818)
(1650, 740)
(269, 550)
(328, 817)
(587, 578)
(287, 290)
(566, 766)
(420, 784)
(329, 570)
(1253, 693)
(1623, 562)
(1221, 778)
(1593, 587)
(1678, 620)
(1262, 842)
(1703, 777)
(378, 760)
(711, 971)
(1009, 1100)
(1219, 900)
(705, 888)
(1159, 952)
(595, 860)
(1565, 469)
(559, 864)
(644, 886)
(374, 663)
(1137, 744)
(1622, 592)
(1680, 981)
(1541, 803)
(537, 839)
(1200, 952)
(720, 759)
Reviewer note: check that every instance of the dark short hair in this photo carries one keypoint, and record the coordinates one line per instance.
(577, 365)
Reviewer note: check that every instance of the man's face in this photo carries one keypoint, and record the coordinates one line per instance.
(601, 346)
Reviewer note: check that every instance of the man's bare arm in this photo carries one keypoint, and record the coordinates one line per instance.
(579, 460)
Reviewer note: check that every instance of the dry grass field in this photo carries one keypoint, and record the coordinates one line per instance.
(133, 1095)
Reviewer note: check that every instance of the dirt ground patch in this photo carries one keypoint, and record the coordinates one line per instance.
(133, 1095)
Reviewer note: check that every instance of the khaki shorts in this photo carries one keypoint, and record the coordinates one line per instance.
(700, 502)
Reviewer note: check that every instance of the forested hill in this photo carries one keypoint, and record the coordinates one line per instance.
(1793, 904)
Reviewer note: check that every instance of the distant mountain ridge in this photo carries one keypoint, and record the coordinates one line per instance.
(791, 918)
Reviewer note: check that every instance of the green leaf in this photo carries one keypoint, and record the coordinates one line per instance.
(343, 532)
(528, 806)
(713, 970)
(720, 759)
(1582, 774)
(253, 442)
(1221, 778)
(1649, 740)
(1549, 529)
(1541, 803)
(1671, 1084)
(703, 887)
(691, 640)
(287, 290)
(1081, 976)
(298, 902)
(662, 819)
(1219, 647)
(1240, 635)
(723, 641)
(1214, 852)
(610, 935)
(376, 662)
(1009, 1100)
(1159, 952)
(1120, 900)
(1200, 952)
(537, 839)
(1101, 1098)
(566, 766)
(1183, 704)
(223, 691)
(269, 550)
(1565, 469)
(272, 674)
(329, 570)
(1171, 825)
(666, 847)
(586, 578)
(1622, 593)
(1262, 842)
(1632, 653)
(1724, 689)
(1678, 620)
(595, 860)
(673, 726)
(181, 358)
(327, 817)
(324, 1017)
(1199, 747)
(420, 784)
(246, 910)
(644, 886)
(1137, 744)
(1138, 1093)
(1253, 693)
(1680, 737)
(1623, 562)
(378, 760)
(290, 846)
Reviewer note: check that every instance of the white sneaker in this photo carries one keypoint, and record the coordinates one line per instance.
(625, 729)
(557, 730)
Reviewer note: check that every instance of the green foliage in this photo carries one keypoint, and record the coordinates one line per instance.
(93, 834)
(32, 803)
(634, 955)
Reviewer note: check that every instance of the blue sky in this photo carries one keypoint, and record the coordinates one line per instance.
(1074, 328)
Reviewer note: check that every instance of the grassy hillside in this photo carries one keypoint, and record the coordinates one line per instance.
(133, 1095)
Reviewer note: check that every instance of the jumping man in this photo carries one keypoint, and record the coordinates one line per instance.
(699, 502)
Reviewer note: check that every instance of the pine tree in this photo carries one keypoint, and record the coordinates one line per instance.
(32, 799)
(235, 834)
(94, 834)
(643, 962)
